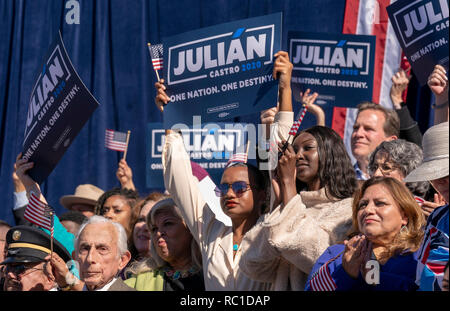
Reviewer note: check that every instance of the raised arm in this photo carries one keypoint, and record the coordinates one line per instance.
(438, 83)
(125, 175)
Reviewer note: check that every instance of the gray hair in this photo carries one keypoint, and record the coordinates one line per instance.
(155, 262)
(406, 156)
(122, 246)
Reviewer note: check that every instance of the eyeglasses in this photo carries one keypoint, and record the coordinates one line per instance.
(239, 187)
(20, 269)
(385, 168)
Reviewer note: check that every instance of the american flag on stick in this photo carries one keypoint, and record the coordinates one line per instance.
(117, 141)
(39, 213)
(156, 54)
(294, 129)
(240, 156)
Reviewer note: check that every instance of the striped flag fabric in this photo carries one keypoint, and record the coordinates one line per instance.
(156, 54)
(238, 157)
(322, 280)
(298, 122)
(241, 154)
(115, 140)
(39, 213)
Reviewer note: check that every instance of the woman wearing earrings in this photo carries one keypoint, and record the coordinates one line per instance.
(241, 191)
(387, 229)
(314, 184)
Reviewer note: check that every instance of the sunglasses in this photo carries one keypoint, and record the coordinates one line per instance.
(239, 187)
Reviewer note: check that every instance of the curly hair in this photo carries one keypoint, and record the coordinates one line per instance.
(335, 172)
(406, 240)
(131, 197)
(405, 156)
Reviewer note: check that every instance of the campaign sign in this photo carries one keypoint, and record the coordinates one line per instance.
(421, 27)
(337, 66)
(210, 146)
(60, 105)
(223, 71)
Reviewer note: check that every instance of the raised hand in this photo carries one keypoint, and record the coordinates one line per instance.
(287, 173)
(161, 98)
(438, 81)
(399, 84)
(309, 100)
(282, 70)
(125, 175)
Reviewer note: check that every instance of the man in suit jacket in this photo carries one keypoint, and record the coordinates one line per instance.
(101, 251)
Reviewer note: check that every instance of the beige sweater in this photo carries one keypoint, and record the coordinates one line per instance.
(220, 270)
(283, 246)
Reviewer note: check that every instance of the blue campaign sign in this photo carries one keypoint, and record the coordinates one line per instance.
(209, 145)
(421, 28)
(60, 104)
(223, 71)
(337, 66)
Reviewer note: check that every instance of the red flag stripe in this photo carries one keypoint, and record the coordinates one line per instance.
(350, 16)
(379, 30)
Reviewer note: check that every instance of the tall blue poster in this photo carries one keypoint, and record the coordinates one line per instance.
(60, 104)
(339, 67)
(221, 72)
(421, 28)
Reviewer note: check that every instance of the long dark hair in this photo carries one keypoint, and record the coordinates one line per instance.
(336, 171)
(131, 197)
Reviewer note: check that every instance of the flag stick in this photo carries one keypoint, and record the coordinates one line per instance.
(156, 71)
(51, 238)
(128, 139)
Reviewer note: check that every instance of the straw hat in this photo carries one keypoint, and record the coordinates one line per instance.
(435, 155)
(84, 194)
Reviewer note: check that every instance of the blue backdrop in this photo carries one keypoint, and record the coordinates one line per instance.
(108, 48)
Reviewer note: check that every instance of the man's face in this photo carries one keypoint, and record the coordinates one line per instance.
(27, 277)
(3, 231)
(368, 133)
(85, 209)
(98, 255)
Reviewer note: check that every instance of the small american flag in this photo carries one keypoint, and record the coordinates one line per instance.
(115, 140)
(39, 213)
(322, 280)
(238, 157)
(156, 53)
(296, 125)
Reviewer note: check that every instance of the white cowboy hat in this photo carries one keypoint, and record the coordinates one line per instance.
(435, 155)
(84, 194)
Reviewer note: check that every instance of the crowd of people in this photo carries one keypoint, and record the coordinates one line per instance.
(314, 222)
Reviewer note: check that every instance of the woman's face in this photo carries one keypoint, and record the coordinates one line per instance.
(306, 148)
(170, 236)
(237, 205)
(381, 166)
(379, 216)
(141, 234)
(117, 209)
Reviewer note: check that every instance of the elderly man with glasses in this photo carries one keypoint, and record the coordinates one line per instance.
(26, 268)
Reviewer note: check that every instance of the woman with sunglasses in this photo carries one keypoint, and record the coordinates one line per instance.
(314, 183)
(241, 191)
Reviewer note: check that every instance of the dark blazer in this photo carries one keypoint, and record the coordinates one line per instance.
(119, 286)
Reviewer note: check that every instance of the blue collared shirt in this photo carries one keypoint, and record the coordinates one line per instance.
(359, 173)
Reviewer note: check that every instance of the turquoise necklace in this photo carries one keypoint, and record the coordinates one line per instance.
(235, 247)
